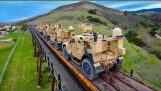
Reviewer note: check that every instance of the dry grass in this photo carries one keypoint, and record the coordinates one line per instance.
(4, 45)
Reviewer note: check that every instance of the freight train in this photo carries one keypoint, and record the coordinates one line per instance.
(94, 53)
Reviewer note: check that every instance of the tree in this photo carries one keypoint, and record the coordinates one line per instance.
(125, 12)
(24, 27)
(145, 35)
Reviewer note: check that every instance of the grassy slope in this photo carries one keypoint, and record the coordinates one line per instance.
(58, 18)
(146, 66)
(21, 71)
(4, 52)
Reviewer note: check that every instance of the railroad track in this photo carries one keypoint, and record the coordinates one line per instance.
(106, 81)
(115, 82)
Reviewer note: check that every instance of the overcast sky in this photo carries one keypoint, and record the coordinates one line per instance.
(18, 10)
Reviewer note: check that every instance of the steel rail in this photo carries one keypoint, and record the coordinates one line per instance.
(126, 83)
(40, 44)
(71, 67)
(89, 84)
(144, 84)
(107, 82)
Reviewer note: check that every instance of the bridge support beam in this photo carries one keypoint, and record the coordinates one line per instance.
(32, 38)
(35, 51)
(39, 66)
(59, 83)
(35, 46)
(53, 83)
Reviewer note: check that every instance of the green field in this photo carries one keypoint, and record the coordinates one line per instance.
(5, 50)
(21, 72)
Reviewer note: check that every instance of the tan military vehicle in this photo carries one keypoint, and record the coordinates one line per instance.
(57, 35)
(95, 53)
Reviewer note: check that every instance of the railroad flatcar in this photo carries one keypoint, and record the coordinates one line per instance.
(92, 52)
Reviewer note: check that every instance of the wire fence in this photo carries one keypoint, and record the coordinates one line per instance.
(8, 59)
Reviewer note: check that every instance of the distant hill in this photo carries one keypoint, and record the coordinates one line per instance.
(77, 12)
(153, 10)
(1, 23)
(153, 14)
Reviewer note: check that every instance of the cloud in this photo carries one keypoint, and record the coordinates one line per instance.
(157, 5)
(147, 6)
(121, 4)
(54, 4)
(130, 5)
(18, 19)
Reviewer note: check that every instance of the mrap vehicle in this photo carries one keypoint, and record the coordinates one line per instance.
(92, 52)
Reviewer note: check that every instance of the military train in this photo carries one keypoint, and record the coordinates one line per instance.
(94, 53)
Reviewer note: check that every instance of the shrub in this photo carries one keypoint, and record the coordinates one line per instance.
(132, 37)
(125, 28)
(24, 27)
(14, 39)
(80, 18)
(66, 17)
(146, 24)
(125, 12)
(143, 23)
(155, 50)
(104, 23)
(114, 22)
(92, 11)
(133, 14)
(89, 17)
(138, 42)
(96, 20)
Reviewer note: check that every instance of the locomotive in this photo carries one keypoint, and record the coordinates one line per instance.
(94, 53)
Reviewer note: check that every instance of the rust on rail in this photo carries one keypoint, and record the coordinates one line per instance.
(72, 68)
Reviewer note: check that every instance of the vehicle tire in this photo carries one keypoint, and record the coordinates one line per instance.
(88, 69)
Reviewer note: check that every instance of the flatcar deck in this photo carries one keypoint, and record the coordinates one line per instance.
(68, 83)
(72, 74)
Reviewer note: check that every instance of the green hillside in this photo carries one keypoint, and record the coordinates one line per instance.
(122, 19)
(146, 66)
